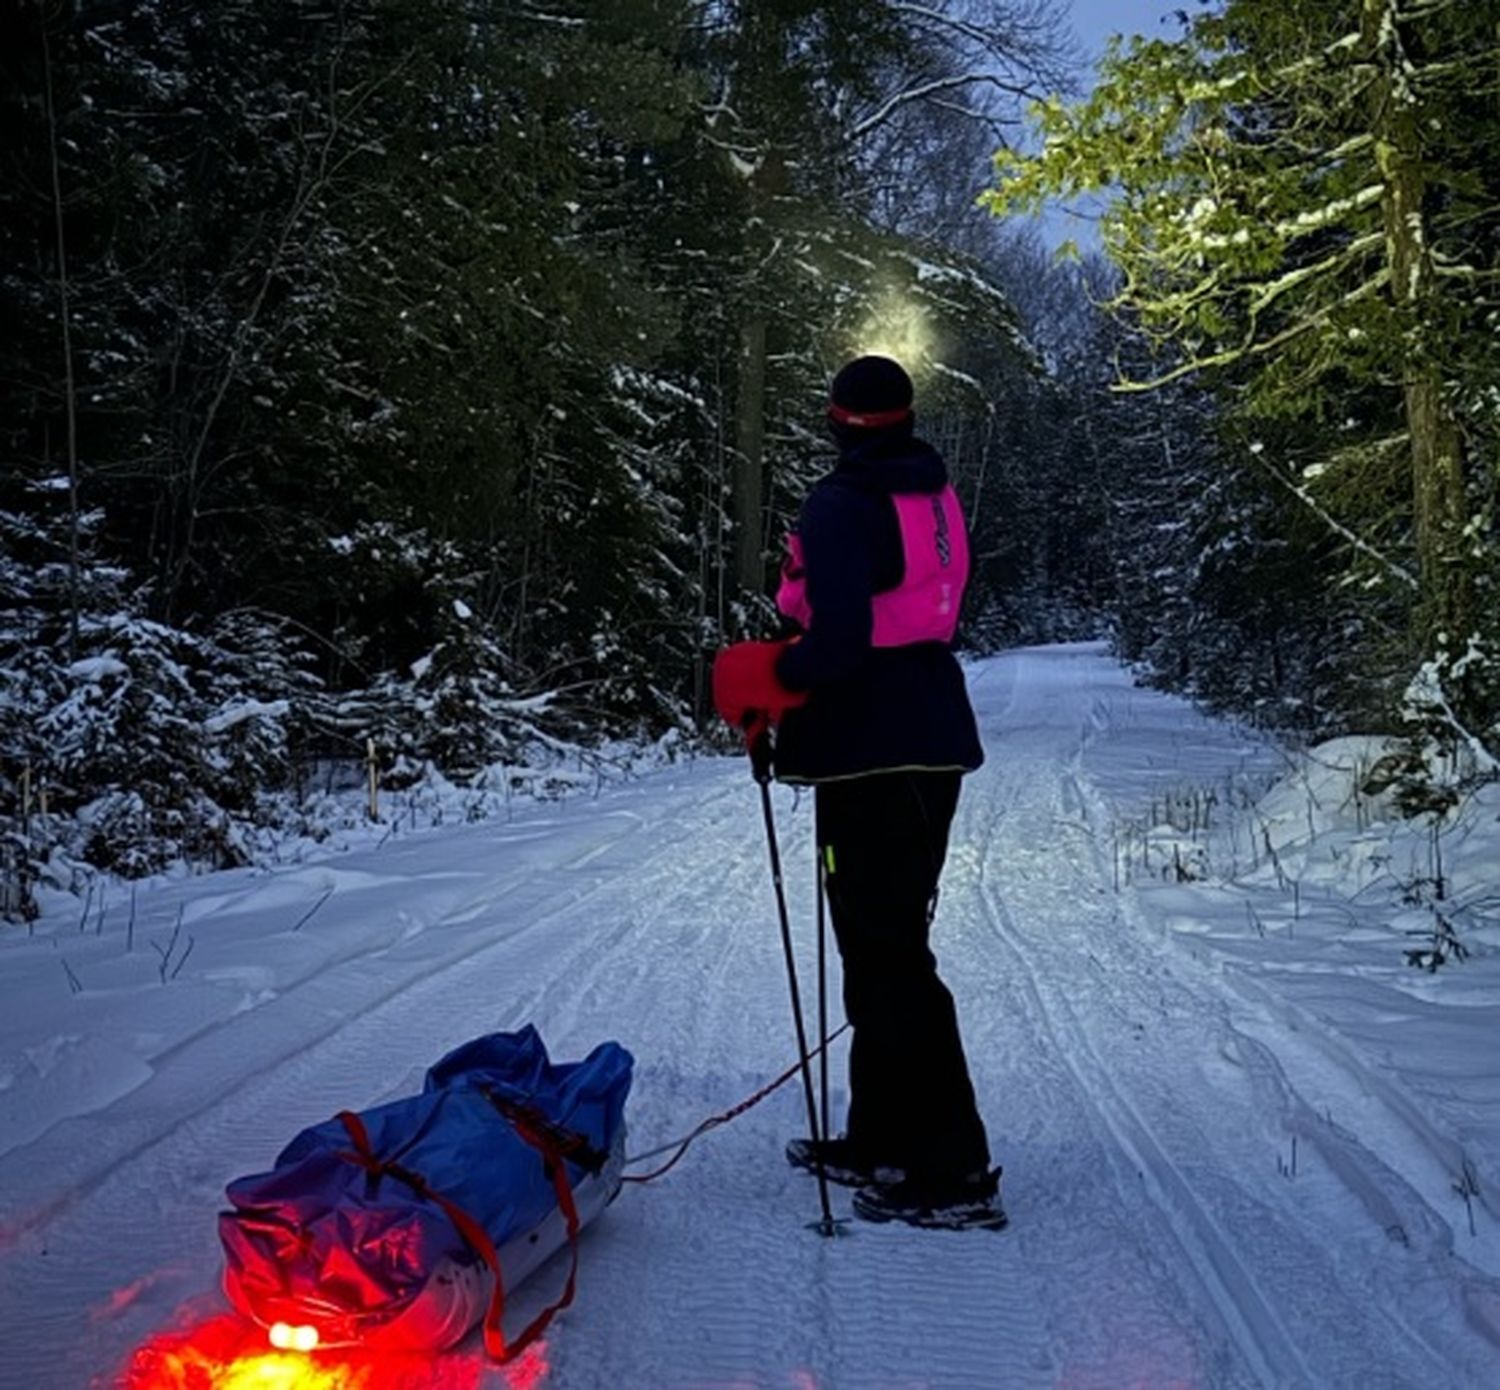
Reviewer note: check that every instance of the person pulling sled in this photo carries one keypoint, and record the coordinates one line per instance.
(870, 708)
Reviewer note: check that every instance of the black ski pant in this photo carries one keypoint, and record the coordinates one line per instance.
(883, 839)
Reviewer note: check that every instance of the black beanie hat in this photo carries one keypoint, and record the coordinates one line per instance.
(871, 393)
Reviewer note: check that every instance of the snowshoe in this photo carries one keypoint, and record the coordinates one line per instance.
(844, 1162)
(962, 1204)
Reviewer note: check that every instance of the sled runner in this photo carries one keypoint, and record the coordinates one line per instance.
(404, 1226)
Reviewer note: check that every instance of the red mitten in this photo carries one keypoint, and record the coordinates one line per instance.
(746, 690)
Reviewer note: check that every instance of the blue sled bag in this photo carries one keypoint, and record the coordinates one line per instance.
(402, 1227)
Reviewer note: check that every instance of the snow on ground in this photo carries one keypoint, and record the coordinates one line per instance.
(1246, 1143)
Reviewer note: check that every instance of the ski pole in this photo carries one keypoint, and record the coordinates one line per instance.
(761, 766)
(822, 991)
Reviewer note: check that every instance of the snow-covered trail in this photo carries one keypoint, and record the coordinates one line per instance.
(1153, 1125)
(1141, 1106)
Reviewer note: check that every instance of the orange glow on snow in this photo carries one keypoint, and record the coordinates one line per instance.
(279, 1371)
(228, 1354)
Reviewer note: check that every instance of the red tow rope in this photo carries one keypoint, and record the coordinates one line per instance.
(541, 1138)
(678, 1148)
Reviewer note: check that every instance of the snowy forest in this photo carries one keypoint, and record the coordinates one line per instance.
(408, 410)
(420, 391)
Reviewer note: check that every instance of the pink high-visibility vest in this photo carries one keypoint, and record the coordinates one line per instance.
(924, 606)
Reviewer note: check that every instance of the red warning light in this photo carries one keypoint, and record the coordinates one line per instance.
(226, 1353)
(285, 1337)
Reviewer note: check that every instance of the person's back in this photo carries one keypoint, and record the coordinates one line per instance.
(877, 707)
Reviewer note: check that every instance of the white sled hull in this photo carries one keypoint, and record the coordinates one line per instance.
(454, 1299)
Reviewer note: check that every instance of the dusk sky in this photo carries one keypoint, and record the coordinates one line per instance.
(1094, 21)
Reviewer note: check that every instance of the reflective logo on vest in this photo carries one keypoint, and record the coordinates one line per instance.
(944, 545)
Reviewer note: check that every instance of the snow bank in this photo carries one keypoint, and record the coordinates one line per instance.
(1376, 937)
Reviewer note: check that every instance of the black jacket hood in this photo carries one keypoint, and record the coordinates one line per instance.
(893, 464)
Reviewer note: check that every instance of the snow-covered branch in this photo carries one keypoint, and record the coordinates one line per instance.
(986, 38)
(1427, 696)
(1397, 571)
(923, 90)
(1254, 348)
(1268, 294)
(1317, 218)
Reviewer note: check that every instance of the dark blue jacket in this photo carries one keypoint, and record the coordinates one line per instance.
(872, 709)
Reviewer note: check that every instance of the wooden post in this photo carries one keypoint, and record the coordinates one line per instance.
(374, 769)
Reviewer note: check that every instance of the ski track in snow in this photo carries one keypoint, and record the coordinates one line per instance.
(1141, 1102)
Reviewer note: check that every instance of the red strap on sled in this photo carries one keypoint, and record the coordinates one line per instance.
(478, 1238)
(542, 1137)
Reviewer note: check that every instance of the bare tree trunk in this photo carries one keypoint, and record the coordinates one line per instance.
(710, 542)
(1439, 493)
(982, 474)
(1441, 505)
(518, 630)
(750, 428)
(70, 392)
(721, 492)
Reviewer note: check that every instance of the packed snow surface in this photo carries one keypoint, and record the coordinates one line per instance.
(1246, 1143)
